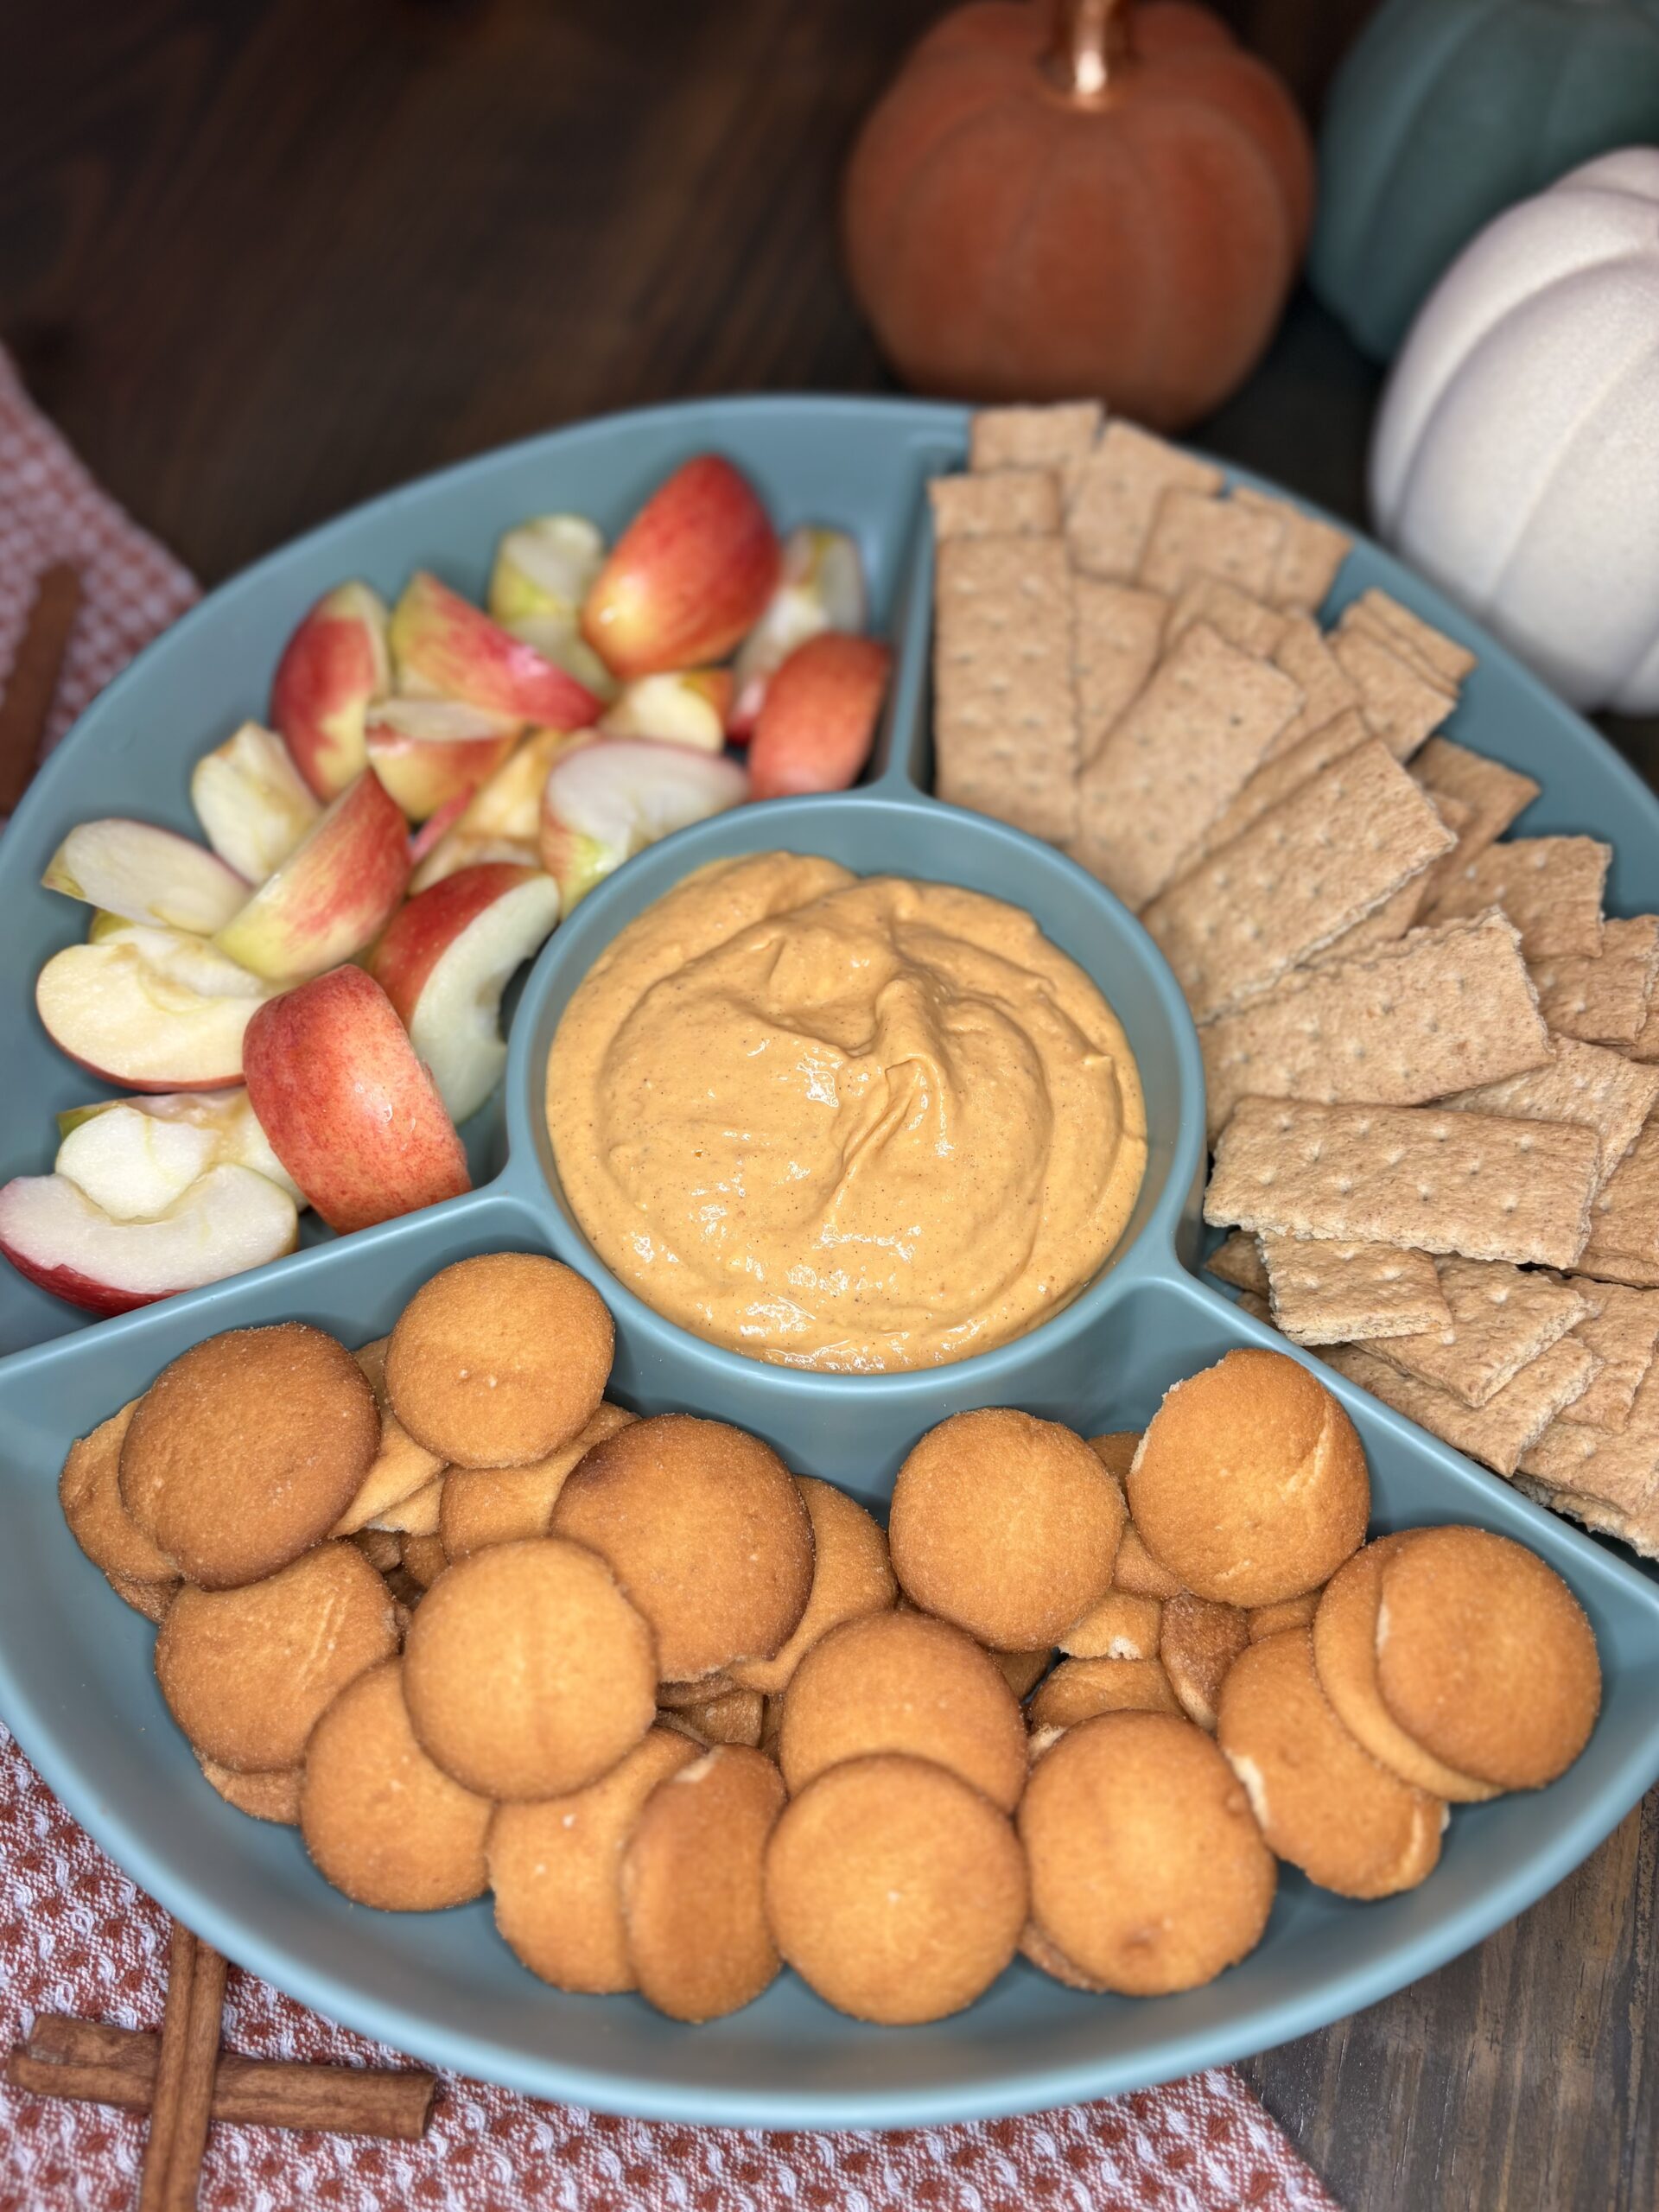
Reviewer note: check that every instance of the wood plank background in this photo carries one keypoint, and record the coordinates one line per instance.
(261, 258)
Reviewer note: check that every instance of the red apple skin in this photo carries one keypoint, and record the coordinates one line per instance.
(818, 721)
(436, 827)
(76, 1289)
(446, 642)
(688, 578)
(334, 892)
(350, 1111)
(331, 668)
(422, 931)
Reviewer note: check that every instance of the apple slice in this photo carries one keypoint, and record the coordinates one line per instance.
(502, 820)
(820, 586)
(689, 577)
(427, 751)
(146, 875)
(152, 1009)
(545, 567)
(443, 645)
(445, 961)
(612, 797)
(332, 668)
(231, 1129)
(221, 1222)
(350, 1111)
(131, 1166)
(252, 801)
(817, 720)
(332, 895)
(557, 638)
(688, 707)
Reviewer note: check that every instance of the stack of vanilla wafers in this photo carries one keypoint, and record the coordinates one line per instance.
(1432, 1060)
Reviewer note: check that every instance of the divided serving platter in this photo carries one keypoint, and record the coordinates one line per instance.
(76, 1683)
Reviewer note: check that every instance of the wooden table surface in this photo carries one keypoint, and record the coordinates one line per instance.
(263, 258)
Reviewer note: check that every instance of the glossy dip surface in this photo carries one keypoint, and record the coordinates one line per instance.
(855, 1123)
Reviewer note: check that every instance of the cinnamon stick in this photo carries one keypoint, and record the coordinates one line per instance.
(182, 1949)
(92, 2063)
(194, 2112)
(33, 682)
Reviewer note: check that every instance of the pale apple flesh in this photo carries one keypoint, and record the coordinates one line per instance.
(444, 646)
(817, 722)
(349, 1109)
(445, 961)
(251, 801)
(223, 1120)
(610, 798)
(688, 707)
(332, 668)
(334, 894)
(544, 568)
(821, 586)
(224, 1221)
(146, 873)
(688, 578)
(150, 1009)
(430, 752)
(501, 821)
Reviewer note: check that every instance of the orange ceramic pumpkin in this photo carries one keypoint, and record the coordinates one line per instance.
(1051, 200)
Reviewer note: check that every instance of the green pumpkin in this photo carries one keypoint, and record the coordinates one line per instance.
(1446, 112)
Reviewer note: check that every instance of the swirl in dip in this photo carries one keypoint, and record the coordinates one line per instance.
(844, 1122)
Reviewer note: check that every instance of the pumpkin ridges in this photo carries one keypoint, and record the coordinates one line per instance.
(1247, 96)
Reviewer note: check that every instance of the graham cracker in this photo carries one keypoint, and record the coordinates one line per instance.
(1496, 1434)
(1327, 690)
(1055, 437)
(1604, 1000)
(1174, 758)
(1005, 719)
(1402, 707)
(1500, 1318)
(1623, 1243)
(1114, 493)
(1550, 888)
(1249, 624)
(1439, 658)
(1005, 503)
(1402, 909)
(1327, 1291)
(1398, 1029)
(1637, 1525)
(1469, 1183)
(1253, 1303)
(1493, 795)
(1310, 553)
(1617, 1468)
(1238, 1260)
(1310, 868)
(1622, 1329)
(1120, 634)
(1644, 1046)
(1280, 773)
(1577, 1082)
(1198, 534)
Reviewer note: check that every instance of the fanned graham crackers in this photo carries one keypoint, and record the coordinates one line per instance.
(1441, 659)
(1602, 1000)
(1496, 1434)
(1622, 1329)
(1006, 503)
(1311, 551)
(1501, 1320)
(1577, 1083)
(1623, 1245)
(1403, 707)
(1120, 631)
(1114, 495)
(1200, 534)
(1034, 437)
(1550, 888)
(1324, 1291)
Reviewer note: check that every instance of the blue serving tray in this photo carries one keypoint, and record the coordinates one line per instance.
(76, 1683)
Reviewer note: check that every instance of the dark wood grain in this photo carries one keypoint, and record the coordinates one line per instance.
(264, 257)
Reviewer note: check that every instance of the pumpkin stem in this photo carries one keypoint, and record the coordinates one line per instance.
(1091, 38)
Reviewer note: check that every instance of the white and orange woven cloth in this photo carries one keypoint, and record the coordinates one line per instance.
(77, 1937)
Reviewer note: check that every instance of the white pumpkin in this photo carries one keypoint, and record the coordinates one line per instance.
(1516, 454)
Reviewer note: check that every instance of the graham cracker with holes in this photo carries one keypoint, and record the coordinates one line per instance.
(1200, 534)
(1310, 552)
(1617, 1468)
(1436, 656)
(1550, 888)
(1005, 719)
(1056, 437)
(1238, 1260)
(1496, 1434)
(1492, 795)
(1622, 1329)
(1400, 912)
(1120, 634)
(1623, 1245)
(1404, 708)
(1501, 1320)
(1327, 690)
(1249, 624)
(1174, 760)
(1280, 773)
(1577, 1083)
(1603, 1000)
(1317, 863)
(1417, 1175)
(1006, 503)
(1399, 1029)
(1114, 493)
(1330, 1290)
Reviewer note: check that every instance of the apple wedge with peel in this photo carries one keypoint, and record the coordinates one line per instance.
(818, 721)
(544, 568)
(150, 1010)
(687, 707)
(557, 638)
(115, 1145)
(145, 874)
(612, 797)
(427, 751)
(445, 961)
(332, 668)
(502, 820)
(349, 1109)
(820, 586)
(332, 895)
(222, 1221)
(251, 801)
(688, 578)
(445, 647)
